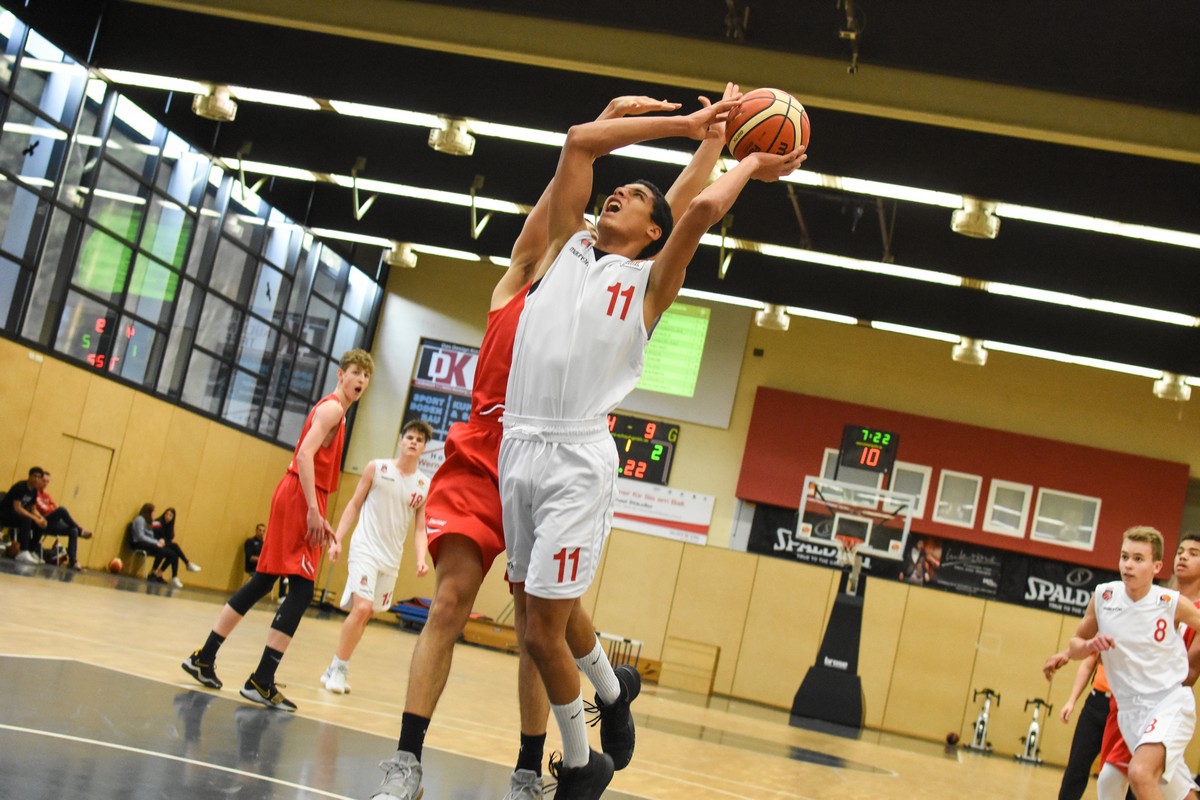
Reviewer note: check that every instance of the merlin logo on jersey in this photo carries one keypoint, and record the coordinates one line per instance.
(1164, 600)
(1107, 595)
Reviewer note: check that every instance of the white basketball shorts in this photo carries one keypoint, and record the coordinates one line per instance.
(365, 578)
(1167, 719)
(558, 480)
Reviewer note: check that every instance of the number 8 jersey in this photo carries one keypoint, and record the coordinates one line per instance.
(1149, 656)
(581, 341)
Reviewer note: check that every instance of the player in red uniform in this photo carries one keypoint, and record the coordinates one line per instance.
(462, 512)
(296, 532)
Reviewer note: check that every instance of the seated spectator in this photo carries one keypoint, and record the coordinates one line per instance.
(141, 537)
(253, 548)
(59, 522)
(18, 510)
(164, 528)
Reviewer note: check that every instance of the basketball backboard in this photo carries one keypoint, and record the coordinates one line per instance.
(862, 519)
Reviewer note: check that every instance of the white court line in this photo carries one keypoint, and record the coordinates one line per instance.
(169, 757)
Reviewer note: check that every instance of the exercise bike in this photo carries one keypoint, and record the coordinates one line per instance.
(1032, 739)
(979, 741)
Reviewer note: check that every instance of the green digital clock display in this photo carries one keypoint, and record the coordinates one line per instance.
(645, 447)
(864, 447)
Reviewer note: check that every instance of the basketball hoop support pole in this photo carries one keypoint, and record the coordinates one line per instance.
(832, 690)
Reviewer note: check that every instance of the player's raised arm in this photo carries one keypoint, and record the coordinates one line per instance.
(706, 210)
(697, 174)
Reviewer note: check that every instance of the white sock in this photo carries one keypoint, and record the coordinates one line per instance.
(337, 662)
(1111, 784)
(595, 665)
(574, 733)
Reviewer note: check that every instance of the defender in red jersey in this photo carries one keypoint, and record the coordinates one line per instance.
(463, 519)
(296, 532)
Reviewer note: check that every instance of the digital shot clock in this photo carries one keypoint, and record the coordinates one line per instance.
(645, 447)
(867, 448)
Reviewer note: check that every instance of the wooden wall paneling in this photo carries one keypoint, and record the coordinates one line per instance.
(635, 597)
(789, 608)
(58, 399)
(931, 682)
(711, 599)
(884, 609)
(18, 379)
(105, 412)
(1013, 644)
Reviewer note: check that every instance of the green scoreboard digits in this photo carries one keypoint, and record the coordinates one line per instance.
(864, 447)
(645, 447)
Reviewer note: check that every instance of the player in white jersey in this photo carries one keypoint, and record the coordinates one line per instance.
(1134, 625)
(578, 352)
(388, 502)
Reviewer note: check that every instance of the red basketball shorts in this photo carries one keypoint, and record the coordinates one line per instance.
(285, 551)
(464, 497)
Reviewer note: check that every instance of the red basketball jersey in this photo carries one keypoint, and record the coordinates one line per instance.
(327, 463)
(495, 357)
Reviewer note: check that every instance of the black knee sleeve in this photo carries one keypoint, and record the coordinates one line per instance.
(291, 610)
(254, 590)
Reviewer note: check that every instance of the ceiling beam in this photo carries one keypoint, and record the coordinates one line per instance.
(705, 66)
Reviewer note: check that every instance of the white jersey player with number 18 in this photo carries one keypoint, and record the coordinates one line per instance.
(1134, 625)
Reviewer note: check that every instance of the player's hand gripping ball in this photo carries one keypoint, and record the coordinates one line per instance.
(766, 121)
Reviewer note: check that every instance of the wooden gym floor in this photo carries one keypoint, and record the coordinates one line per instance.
(96, 706)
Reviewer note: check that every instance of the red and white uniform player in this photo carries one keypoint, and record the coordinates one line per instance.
(286, 550)
(464, 497)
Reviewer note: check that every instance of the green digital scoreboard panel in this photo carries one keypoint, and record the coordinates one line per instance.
(645, 447)
(867, 448)
(675, 350)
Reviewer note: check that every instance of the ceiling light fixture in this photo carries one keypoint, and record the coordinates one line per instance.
(400, 255)
(969, 351)
(452, 138)
(217, 105)
(976, 219)
(772, 317)
(1173, 386)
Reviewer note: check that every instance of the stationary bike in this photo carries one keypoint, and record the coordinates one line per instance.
(979, 741)
(1032, 739)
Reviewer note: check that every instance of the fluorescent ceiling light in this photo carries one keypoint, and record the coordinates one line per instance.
(133, 116)
(132, 199)
(276, 170)
(446, 252)
(385, 114)
(1096, 225)
(148, 81)
(43, 65)
(96, 90)
(729, 300)
(35, 130)
(1064, 358)
(824, 316)
(434, 195)
(892, 191)
(911, 331)
(516, 133)
(347, 236)
(1104, 306)
(269, 97)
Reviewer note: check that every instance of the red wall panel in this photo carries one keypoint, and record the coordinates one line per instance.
(789, 433)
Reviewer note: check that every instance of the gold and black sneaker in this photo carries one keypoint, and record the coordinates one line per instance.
(201, 671)
(269, 696)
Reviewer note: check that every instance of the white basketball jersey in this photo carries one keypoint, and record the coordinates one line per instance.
(581, 340)
(387, 514)
(1149, 656)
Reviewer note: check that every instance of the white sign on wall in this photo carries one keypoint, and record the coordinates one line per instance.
(663, 511)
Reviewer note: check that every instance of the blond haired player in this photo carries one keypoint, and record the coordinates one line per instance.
(388, 502)
(1134, 625)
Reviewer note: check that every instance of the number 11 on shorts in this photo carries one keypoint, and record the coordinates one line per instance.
(562, 556)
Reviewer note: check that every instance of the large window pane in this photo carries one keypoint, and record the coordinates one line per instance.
(50, 80)
(82, 156)
(87, 331)
(218, 328)
(206, 382)
(306, 266)
(350, 334)
(168, 228)
(135, 351)
(32, 148)
(118, 202)
(270, 294)
(258, 345)
(284, 240)
(295, 411)
(242, 223)
(10, 273)
(132, 139)
(307, 373)
(183, 171)
(318, 324)
(22, 217)
(232, 272)
(53, 269)
(277, 388)
(152, 289)
(12, 31)
(179, 340)
(103, 264)
(205, 242)
(331, 275)
(245, 399)
(360, 295)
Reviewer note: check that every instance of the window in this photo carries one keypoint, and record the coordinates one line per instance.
(1007, 508)
(957, 499)
(912, 479)
(1066, 519)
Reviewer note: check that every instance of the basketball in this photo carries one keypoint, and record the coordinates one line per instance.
(116, 565)
(767, 121)
(951, 738)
